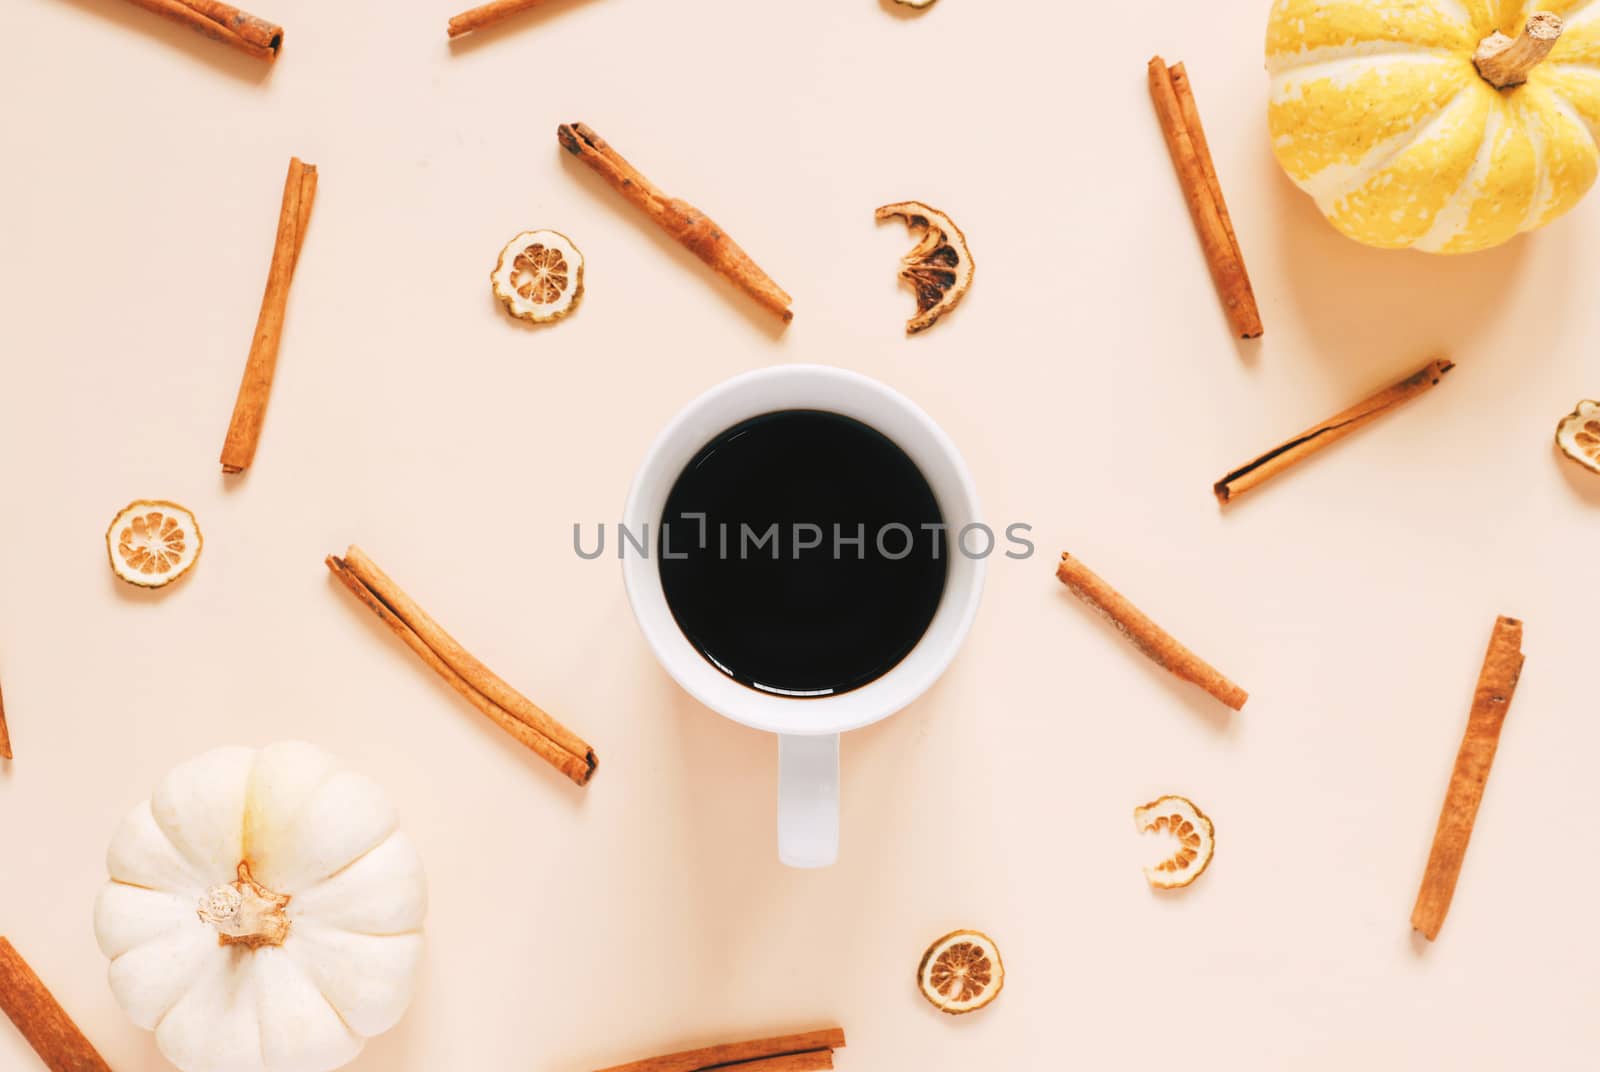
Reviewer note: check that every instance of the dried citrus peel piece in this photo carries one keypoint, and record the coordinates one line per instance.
(961, 972)
(539, 276)
(1578, 435)
(153, 542)
(939, 270)
(1192, 837)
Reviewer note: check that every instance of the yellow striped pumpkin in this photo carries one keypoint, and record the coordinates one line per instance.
(1384, 112)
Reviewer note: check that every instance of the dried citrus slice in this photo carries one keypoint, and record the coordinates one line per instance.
(153, 542)
(1192, 835)
(961, 972)
(1578, 435)
(539, 276)
(939, 269)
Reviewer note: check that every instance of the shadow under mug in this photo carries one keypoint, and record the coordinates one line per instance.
(808, 728)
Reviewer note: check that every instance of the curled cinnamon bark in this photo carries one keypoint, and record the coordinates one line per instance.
(809, 1052)
(42, 1020)
(5, 732)
(1173, 96)
(488, 14)
(1284, 455)
(222, 22)
(692, 228)
(1146, 635)
(250, 406)
(1491, 701)
(480, 686)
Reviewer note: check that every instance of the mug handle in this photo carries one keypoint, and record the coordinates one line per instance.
(808, 800)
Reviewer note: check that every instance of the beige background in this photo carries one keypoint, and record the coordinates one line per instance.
(1091, 382)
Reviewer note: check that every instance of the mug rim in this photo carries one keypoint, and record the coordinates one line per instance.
(884, 695)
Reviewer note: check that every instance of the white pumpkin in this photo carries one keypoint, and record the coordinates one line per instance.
(264, 912)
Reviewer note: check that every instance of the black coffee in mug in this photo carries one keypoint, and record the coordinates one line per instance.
(802, 553)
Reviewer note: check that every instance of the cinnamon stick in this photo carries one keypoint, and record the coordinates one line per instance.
(42, 1020)
(5, 733)
(808, 1061)
(1254, 473)
(1497, 683)
(1183, 89)
(222, 22)
(805, 1061)
(1173, 96)
(1145, 634)
(249, 409)
(691, 227)
(785, 1053)
(524, 720)
(488, 14)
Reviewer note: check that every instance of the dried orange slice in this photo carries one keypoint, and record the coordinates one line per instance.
(939, 269)
(1192, 835)
(539, 276)
(153, 542)
(961, 972)
(1578, 435)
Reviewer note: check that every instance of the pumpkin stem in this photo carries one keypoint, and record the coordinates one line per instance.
(245, 912)
(1504, 62)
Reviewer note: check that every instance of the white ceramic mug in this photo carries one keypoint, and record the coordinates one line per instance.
(808, 729)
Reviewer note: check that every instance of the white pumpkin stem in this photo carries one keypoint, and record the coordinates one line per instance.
(1505, 62)
(246, 913)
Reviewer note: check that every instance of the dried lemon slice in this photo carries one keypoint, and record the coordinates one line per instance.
(1578, 435)
(153, 542)
(961, 972)
(1190, 830)
(939, 269)
(539, 276)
